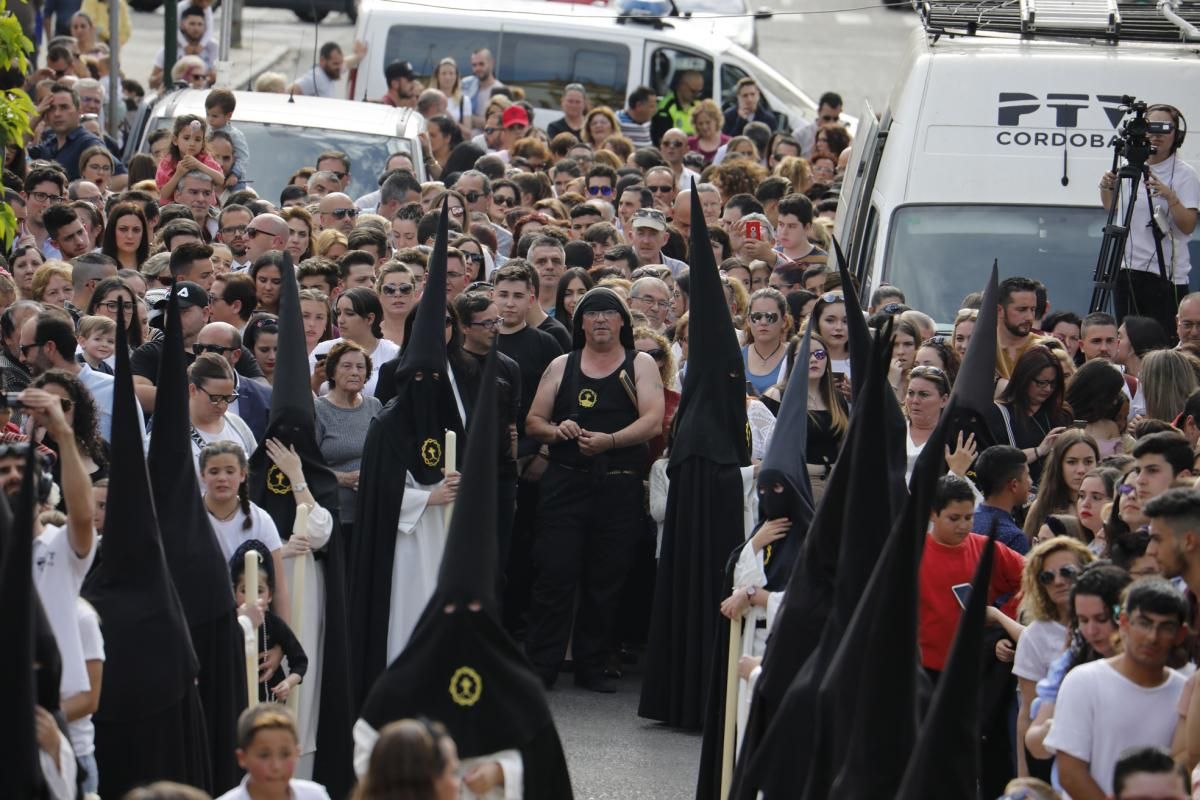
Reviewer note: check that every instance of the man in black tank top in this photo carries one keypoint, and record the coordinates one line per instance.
(596, 407)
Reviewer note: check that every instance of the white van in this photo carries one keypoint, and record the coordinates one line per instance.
(541, 47)
(992, 147)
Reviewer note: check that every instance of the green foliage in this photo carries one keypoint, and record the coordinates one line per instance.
(16, 109)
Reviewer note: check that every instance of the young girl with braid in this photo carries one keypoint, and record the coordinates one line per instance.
(235, 520)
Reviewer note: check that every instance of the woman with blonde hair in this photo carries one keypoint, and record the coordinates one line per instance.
(447, 79)
(332, 244)
(599, 124)
(654, 344)
(52, 284)
(1050, 572)
(1168, 378)
(706, 121)
(797, 171)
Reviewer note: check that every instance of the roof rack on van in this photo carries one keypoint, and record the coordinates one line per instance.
(1109, 20)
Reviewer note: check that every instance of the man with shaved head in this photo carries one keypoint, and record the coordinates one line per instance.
(681, 213)
(265, 233)
(253, 403)
(336, 211)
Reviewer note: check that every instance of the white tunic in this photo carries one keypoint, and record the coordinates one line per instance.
(510, 761)
(418, 557)
(309, 627)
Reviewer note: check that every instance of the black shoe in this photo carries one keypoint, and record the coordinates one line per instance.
(595, 683)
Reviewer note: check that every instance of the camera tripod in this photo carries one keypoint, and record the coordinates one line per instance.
(1135, 147)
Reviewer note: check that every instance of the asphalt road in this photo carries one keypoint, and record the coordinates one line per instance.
(837, 45)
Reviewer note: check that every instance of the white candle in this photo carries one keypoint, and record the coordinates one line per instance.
(451, 466)
(251, 581)
(299, 570)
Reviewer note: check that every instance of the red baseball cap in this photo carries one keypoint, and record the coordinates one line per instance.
(514, 115)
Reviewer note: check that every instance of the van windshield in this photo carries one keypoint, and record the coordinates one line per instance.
(279, 150)
(939, 254)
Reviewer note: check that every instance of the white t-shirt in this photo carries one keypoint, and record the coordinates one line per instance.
(1100, 713)
(1041, 643)
(315, 83)
(233, 429)
(385, 351)
(82, 731)
(1139, 253)
(299, 790)
(58, 574)
(231, 535)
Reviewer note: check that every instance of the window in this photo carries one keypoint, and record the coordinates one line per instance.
(543, 65)
(730, 75)
(939, 254)
(667, 61)
(424, 47)
(277, 151)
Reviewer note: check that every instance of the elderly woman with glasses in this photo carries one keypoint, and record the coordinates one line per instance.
(1030, 414)
(1051, 570)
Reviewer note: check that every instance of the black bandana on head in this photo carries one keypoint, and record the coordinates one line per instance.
(601, 298)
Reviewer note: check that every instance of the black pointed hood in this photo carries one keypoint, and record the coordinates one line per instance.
(193, 554)
(407, 436)
(710, 422)
(471, 558)
(858, 335)
(18, 608)
(872, 454)
(786, 464)
(130, 584)
(460, 666)
(974, 387)
(952, 723)
(292, 420)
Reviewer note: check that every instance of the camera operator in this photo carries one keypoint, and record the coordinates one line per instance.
(1175, 191)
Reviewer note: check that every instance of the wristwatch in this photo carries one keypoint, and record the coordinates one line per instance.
(297, 488)
(750, 592)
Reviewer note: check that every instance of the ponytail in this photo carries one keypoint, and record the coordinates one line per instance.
(244, 500)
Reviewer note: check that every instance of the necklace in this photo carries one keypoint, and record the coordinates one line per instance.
(763, 358)
(1040, 426)
(225, 518)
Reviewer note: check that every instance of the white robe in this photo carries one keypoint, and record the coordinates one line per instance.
(420, 542)
(749, 571)
(311, 632)
(510, 761)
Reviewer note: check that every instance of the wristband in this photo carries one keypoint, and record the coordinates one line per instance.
(614, 440)
(297, 488)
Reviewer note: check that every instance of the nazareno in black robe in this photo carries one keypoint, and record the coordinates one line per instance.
(194, 558)
(293, 421)
(704, 521)
(407, 436)
(150, 724)
(461, 667)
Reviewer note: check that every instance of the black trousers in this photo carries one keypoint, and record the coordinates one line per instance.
(1147, 294)
(506, 500)
(519, 574)
(587, 529)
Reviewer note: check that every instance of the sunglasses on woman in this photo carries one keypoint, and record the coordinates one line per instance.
(393, 289)
(770, 317)
(1068, 572)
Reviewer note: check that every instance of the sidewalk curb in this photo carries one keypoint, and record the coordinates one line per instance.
(258, 66)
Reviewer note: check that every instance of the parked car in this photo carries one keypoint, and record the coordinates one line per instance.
(284, 133)
(307, 10)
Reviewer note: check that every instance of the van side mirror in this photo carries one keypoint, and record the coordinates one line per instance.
(764, 13)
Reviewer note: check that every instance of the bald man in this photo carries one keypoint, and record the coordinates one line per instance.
(265, 233)
(336, 211)
(681, 213)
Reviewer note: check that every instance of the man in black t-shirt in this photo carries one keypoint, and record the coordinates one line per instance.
(533, 350)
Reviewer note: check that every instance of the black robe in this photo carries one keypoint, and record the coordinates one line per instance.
(194, 558)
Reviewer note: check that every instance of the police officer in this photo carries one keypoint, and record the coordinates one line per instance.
(595, 407)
